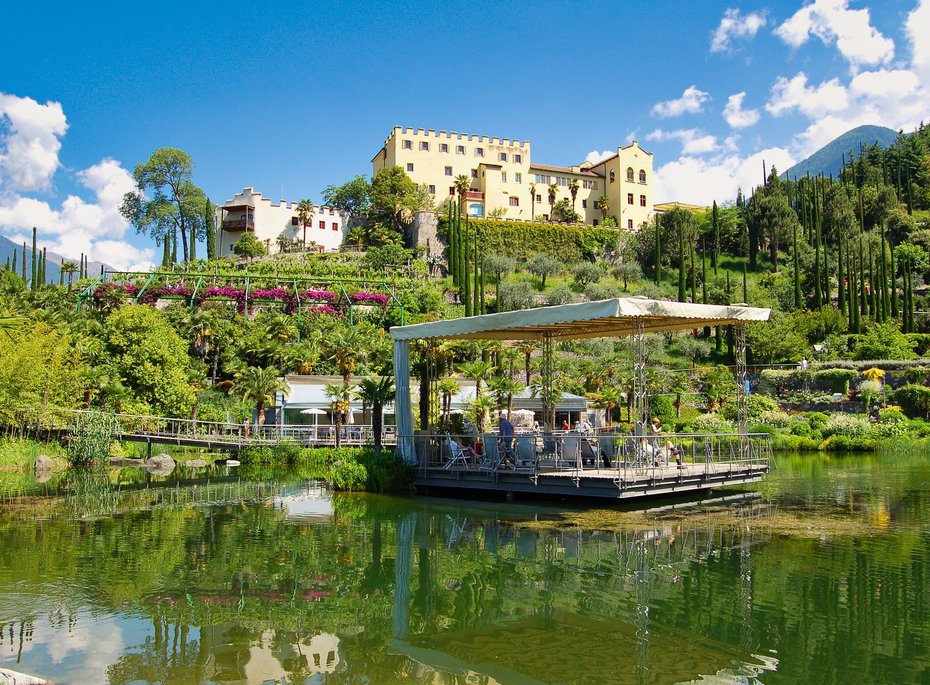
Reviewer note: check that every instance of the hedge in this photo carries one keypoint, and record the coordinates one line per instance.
(523, 240)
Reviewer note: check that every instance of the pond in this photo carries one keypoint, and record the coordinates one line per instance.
(820, 574)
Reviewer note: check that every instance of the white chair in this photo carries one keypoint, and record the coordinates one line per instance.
(571, 452)
(492, 455)
(526, 452)
(457, 455)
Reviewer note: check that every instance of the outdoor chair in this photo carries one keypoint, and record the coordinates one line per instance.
(457, 455)
(588, 455)
(607, 447)
(526, 452)
(492, 455)
(571, 452)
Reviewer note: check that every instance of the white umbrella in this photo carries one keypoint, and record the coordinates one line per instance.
(315, 412)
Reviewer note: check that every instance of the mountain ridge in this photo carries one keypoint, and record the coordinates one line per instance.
(54, 260)
(828, 160)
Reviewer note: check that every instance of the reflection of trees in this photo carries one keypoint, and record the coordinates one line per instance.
(217, 581)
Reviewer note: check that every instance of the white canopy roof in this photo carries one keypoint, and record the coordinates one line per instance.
(615, 317)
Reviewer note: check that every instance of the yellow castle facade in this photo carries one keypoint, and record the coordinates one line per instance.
(502, 174)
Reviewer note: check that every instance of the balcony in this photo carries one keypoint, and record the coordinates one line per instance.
(474, 195)
(238, 225)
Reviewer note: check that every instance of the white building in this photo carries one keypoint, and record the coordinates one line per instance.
(249, 211)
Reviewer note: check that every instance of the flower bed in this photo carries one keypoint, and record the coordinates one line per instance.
(155, 293)
(370, 298)
(318, 296)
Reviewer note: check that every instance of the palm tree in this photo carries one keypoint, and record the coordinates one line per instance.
(462, 186)
(69, 268)
(504, 388)
(526, 347)
(447, 387)
(604, 203)
(481, 406)
(479, 372)
(305, 217)
(260, 386)
(532, 202)
(573, 189)
(608, 398)
(553, 190)
(377, 392)
(338, 394)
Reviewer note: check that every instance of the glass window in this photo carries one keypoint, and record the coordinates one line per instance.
(503, 157)
(424, 146)
(474, 173)
(642, 176)
(432, 190)
(443, 147)
(613, 176)
(629, 224)
(322, 224)
(409, 166)
(451, 190)
(539, 198)
(518, 158)
(514, 201)
(629, 173)
(629, 198)
(448, 171)
(479, 152)
(335, 226)
(584, 204)
(642, 200)
(460, 149)
(408, 145)
(503, 177)
(518, 178)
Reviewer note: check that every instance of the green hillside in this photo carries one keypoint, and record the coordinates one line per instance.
(829, 159)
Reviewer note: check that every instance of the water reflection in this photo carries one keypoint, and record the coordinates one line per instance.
(276, 580)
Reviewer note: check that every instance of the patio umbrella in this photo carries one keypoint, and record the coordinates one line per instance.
(315, 412)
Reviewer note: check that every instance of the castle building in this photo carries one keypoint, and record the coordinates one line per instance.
(502, 171)
(249, 211)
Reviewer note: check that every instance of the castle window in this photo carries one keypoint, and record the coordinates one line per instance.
(514, 201)
(642, 176)
(613, 176)
(503, 177)
(409, 166)
(443, 147)
(479, 152)
(408, 145)
(642, 200)
(335, 226)
(432, 190)
(584, 204)
(474, 173)
(503, 156)
(629, 198)
(322, 225)
(448, 171)
(629, 173)
(424, 146)
(629, 224)
(518, 178)
(539, 198)
(460, 149)
(518, 158)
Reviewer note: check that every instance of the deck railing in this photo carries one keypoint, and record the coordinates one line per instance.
(623, 457)
(164, 429)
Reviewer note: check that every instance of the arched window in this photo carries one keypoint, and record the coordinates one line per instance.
(613, 175)
(642, 176)
(629, 173)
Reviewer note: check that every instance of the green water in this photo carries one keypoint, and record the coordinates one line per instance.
(823, 577)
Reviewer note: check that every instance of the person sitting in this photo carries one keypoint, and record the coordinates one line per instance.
(673, 451)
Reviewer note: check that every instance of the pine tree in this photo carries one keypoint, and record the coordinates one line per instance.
(658, 251)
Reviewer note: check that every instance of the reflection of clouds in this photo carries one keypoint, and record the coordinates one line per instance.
(80, 647)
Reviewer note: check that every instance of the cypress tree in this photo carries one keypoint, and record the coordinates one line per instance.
(715, 224)
(15, 260)
(25, 280)
(682, 288)
(883, 277)
(34, 266)
(745, 289)
(894, 288)
(873, 295)
(192, 252)
(61, 273)
(853, 297)
(450, 243)
(798, 303)
(910, 199)
(475, 307)
(481, 292)
(174, 247)
(693, 276)
(42, 271)
(166, 252)
(818, 295)
(863, 305)
(840, 279)
(467, 279)
(658, 251)
(827, 295)
(209, 224)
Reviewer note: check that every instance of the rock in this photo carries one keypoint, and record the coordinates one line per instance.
(44, 463)
(125, 461)
(195, 463)
(233, 462)
(8, 677)
(160, 465)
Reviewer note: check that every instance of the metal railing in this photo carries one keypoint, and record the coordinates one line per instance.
(165, 429)
(624, 458)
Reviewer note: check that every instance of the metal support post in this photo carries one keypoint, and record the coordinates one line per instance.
(546, 394)
(739, 335)
(640, 390)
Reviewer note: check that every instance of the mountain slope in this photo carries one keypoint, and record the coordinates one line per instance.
(7, 248)
(829, 158)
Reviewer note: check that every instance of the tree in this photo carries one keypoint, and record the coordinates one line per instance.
(352, 197)
(69, 269)
(543, 266)
(607, 398)
(504, 388)
(338, 394)
(573, 189)
(395, 198)
(176, 205)
(553, 191)
(498, 266)
(209, 227)
(249, 247)
(462, 186)
(603, 202)
(626, 272)
(532, 202)
(479, 372)
(585, 273)
(260, 386)
(304, 217)
(376, 392)
(562, 211)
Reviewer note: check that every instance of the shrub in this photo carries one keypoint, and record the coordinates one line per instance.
(786, 378)
(884, 341)
(847, 425)
(91, 435)
(711, 423)
(839, 379)
(517, 295)
(776, 419)
(560, 294)
(914, 400)
(661, 406)
(526, 239)
(758, 405)
(586, 273)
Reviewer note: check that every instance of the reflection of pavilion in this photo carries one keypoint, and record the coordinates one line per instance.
(271, 657)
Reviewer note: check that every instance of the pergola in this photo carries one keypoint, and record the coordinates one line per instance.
(617, 317)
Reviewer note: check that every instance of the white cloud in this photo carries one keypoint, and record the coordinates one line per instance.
(885, 83)
(693, 141)
(916, 28)
(29, 142)
(735, 25)
(94, 227)
(691, 102)
(833, 22)
(829, 96)
(701, 181)
(736, 116)
(595, 156)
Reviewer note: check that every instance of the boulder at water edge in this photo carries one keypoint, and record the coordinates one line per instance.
(160, 464)
(44, 463)
(195, 463)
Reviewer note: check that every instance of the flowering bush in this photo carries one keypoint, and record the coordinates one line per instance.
(711, 423)
(318, 295)
(153, 294)
(225, 291)
(370, 298)
(278, 293)
(846, 424)
(326, 309)
(116, 290)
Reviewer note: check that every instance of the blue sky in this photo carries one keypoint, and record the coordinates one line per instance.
(290, 97)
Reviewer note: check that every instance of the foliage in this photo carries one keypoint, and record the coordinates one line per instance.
(248, 246)
(543, 266)
(585, 273)
(352, 197)
(884, 341)
(559, 294)
(517, 295)
(776, 341)
(839, 379)
(524, 240)
(90, 436)
(380, 258)
(395, 198)
(719, 385)
(914, 400)
(847, 425)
